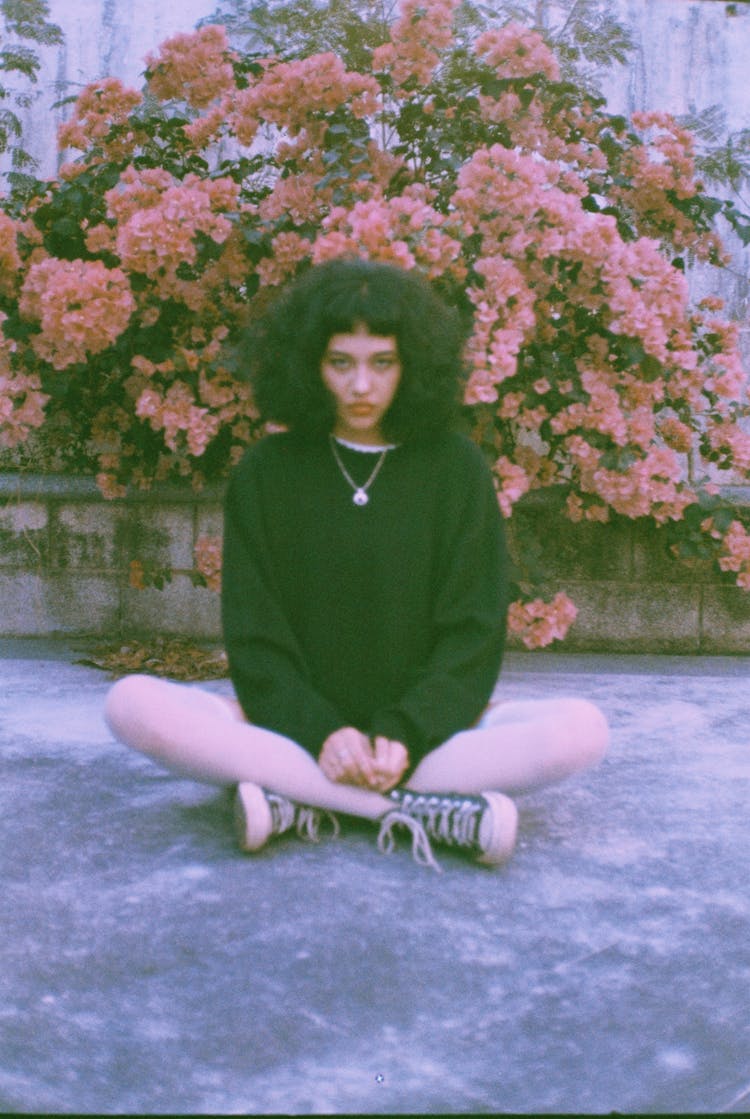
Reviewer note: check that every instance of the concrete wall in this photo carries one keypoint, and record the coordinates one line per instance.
(65, 555)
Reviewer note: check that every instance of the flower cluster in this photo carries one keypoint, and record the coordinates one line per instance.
(514, 482)
(81, 306)
(735, 549)
(515, 52)
(208, 555)
(195, 68)
(102, 107)
(406, 231)
(418, 38)
(158, 229)
(504, 318)
(538, 623)
(176, 414)
(10, 261)
(663, 167)
(298, 96)
(21, 399)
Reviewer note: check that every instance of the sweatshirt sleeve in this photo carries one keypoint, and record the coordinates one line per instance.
(266, 663)
(469, 620)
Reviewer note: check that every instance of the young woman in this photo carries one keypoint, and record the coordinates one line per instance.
(364, 593)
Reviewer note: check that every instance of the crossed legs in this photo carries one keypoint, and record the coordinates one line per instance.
(517, 746)
(204, 736)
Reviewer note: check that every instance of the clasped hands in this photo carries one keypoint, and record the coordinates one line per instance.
(349, 757)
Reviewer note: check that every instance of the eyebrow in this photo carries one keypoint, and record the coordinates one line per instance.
(392, 351)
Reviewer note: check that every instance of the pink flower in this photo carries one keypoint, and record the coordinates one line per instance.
(10, 261)
(424, 29)
(156, 239)
(207, 129)
(22, 401)
(208, 560)
(178, 417)
(735, 555)
(539, 623)
(112, 490)
(731, 443)
(296, 197)
(195, 67)
(297, 95)
(504, 318)
(81, 306)
(676, 434)
(517, 52)
(514, 483)
(101, 106)
(405, 231)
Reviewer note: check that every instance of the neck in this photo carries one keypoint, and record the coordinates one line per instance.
(370, 437)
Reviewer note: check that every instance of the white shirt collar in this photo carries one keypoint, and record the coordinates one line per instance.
(368, 448)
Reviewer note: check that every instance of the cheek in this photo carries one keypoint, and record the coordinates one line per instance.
(333, 386)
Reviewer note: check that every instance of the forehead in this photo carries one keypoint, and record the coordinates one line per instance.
(361, 342)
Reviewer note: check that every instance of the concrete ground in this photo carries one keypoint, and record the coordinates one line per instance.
(149, 967)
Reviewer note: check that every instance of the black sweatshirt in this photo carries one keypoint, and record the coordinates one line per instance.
(389, 617)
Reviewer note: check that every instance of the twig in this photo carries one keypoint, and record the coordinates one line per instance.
(586, 956)
(737, 1099)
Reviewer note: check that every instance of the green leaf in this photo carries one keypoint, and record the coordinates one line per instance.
(723, 517)
(619, 459)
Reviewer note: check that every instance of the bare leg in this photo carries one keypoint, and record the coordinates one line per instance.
(517, 746)
(206, 737)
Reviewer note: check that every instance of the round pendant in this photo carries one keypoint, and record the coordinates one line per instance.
(360, 498)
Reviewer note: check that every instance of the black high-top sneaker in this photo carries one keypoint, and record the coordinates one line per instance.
(484, 826)
(259, 815)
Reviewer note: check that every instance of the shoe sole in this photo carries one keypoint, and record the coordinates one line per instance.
(252, 817)
(505, 828)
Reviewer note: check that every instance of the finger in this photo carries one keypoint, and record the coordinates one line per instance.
(392, 760)
(401, 759)
(381, 750)
(359, 756)
(349, 766)
(388, 754)
(333, 760)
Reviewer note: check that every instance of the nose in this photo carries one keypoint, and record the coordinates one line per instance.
(362, 379)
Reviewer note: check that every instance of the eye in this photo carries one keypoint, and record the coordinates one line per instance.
(338, 361)
(386, 361)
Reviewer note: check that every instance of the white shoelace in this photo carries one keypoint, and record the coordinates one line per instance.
(282, 813)
(309, 821)
(285, 814)
(420, 845)
(455, 826)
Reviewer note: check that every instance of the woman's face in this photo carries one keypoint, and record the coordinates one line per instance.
(362, 371)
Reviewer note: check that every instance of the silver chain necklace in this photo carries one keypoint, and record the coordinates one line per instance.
(360, 492)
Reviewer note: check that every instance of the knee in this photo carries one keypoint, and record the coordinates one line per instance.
(127, 704)
(586, 729)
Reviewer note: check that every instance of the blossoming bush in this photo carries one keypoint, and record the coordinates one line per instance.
(559, 231)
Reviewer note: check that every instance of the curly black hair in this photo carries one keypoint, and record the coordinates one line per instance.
(284, 351)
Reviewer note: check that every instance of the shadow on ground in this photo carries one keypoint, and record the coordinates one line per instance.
(148, 967)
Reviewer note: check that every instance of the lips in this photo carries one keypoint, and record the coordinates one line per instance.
(361, 409)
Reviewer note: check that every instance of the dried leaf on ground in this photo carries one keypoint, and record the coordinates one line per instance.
(174, 657)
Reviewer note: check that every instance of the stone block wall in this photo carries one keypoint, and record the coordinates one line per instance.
(65, 555)
(631, 595)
